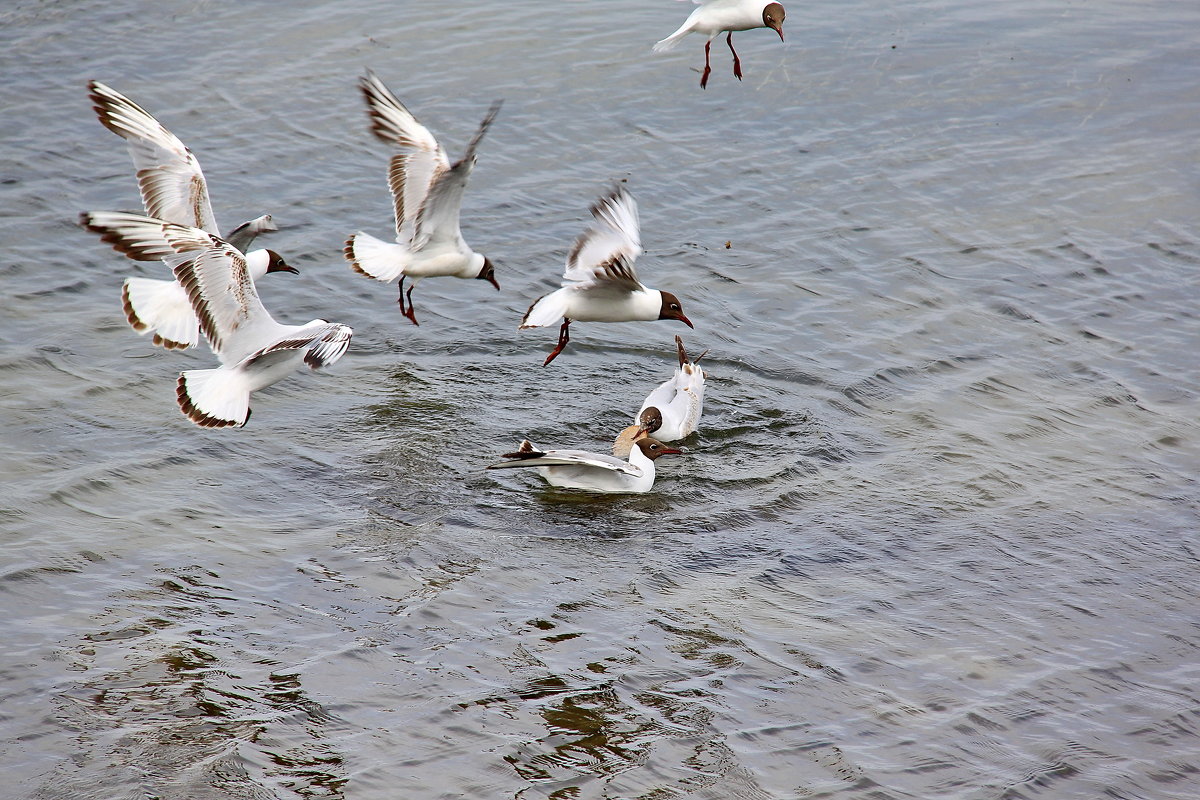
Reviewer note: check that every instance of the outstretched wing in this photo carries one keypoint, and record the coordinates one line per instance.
(605, 252)
(325, 342)
(438, 217)
(138, 237)
(411, 173)
(218, 284)
(243, 236)
(551, 458)
(168, 175)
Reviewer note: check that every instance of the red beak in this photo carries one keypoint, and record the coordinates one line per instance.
(686, 321)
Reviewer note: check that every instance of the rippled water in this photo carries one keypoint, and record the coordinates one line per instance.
(936, 538)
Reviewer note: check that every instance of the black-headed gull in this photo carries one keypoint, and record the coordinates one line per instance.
(255, 351)
(672, 411)
(599, 284)
(427, 193)
(173, 189)
(715, 17)
(595, 472)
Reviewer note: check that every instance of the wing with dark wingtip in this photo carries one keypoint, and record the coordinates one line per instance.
(169, 177)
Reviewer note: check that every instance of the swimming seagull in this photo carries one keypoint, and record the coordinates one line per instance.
(599, 284)
(715, 17)
(595, 472)
(173, 189)
(672, 411)
(255, 351)
(427, 193)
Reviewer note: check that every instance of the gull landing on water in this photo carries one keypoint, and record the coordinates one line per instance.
(594, 472)
(672, 411)
(173, 189)
(599, 284)
(427, 194)
(715, 17)
(255, 351)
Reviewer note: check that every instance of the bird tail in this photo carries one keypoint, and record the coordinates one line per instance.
(375, 258)
(546, 310)
(672, 40)
(162, 307)
(214, 398)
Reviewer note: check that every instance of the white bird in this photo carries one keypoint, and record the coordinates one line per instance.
(173, 189)
(715, 17)
(599, 283)
(672, 411)
(427, 193)
(255, 351)
(595, 472)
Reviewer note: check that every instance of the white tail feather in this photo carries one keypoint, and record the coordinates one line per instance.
(214, 398)
(547, 310)
(375, 258)
(161, 307)
(672, 40)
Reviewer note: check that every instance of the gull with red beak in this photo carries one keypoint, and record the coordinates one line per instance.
(715, 17)
(599, 284)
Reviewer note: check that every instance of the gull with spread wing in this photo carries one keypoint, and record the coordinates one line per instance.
(255, 351)
(715, 17)
(595, 472)
(427, 193)
(173, 189)
(599, 283)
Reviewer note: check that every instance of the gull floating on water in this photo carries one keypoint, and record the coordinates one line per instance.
(173, 189)
(715, 17)
(672, 411)
(427, 194)
(599, 284)
(255, 351)
(595, 472)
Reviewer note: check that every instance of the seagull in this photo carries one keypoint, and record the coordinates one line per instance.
(672, 411)
(715, 17)
(255, 351)
(599, 284)
(595, 472)
(427, 193)
(173, 189)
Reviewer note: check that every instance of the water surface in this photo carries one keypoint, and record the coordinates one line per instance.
(936, 537)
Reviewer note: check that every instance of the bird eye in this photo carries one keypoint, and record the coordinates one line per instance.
(674, 306)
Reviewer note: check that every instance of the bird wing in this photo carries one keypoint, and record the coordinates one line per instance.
(232, 317)
(438, 217)
(243, 236)
(325, 342)
(169, 177)
(575, 458)
(138, 237)
(411, 173)
(605, 252)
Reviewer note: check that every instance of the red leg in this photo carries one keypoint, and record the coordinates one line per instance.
(411, 313)
(737, 62)
(707, 68)
(407, 311)
(564, 336)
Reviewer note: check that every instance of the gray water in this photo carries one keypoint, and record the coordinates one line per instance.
(935, 538)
